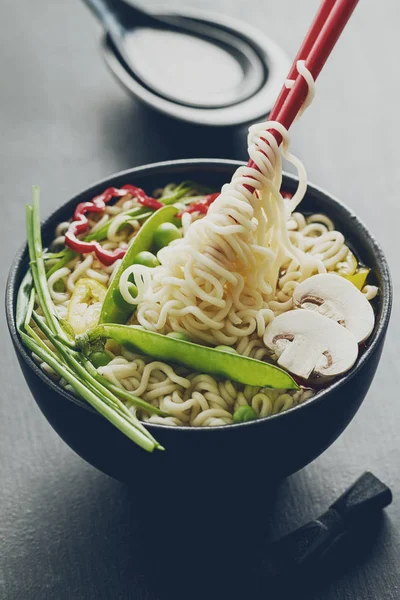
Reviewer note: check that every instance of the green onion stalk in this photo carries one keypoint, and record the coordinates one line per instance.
(59, 353)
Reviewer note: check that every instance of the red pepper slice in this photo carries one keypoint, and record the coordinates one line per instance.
(107, 257)
(201, 206)
(80, 223)
(141, 196)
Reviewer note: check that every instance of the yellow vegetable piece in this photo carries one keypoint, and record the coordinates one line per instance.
(358, 279)
(349, 265)
(85, 305)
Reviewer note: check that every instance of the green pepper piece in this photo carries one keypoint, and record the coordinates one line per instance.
(199, 358)
(115, 309)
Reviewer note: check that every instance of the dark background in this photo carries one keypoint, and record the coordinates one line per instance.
(68, 532)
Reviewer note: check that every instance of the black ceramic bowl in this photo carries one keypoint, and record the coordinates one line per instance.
(272, 447)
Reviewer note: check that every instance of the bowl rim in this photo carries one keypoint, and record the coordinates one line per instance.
(377, 338)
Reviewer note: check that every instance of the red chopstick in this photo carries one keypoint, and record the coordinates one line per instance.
(319, 53)
(305, 49)
(319, 42)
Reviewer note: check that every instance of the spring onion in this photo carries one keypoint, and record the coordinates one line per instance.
(69, 364)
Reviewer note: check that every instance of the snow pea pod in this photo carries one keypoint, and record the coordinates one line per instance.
(115, 309)
(202, 359)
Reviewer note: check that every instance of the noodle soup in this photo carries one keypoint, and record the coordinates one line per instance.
(191, 398)
(197, 307)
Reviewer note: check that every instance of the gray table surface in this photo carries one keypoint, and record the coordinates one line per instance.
(66, 531)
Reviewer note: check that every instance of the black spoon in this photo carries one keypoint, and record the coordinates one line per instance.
(196, 64)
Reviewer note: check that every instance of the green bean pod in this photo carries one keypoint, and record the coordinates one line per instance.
(202, 359)
(115, 309)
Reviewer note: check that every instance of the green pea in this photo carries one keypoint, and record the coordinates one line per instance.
(179, 335)
(132, 289)
(165, 234)
(244, 414)
(118, 300)
(59, 286)
(99, 358)
(226, 349)
(147, 259)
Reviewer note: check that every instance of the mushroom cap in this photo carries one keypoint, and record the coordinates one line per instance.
(337, 298)
(306, 342)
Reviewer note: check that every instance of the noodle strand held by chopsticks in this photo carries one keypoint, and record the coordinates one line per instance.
(214, 282)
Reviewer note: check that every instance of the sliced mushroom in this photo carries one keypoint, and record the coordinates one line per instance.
(337, 298)
(306, 343)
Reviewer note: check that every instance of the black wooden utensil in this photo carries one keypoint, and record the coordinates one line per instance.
(303, 548)
(193, 64)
